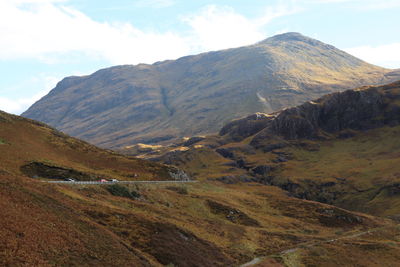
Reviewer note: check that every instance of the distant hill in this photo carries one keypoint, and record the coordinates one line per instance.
(203, 224)
(342, 149)
(197, 95)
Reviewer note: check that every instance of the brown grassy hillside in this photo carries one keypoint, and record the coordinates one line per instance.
(203, 224)
(196, 95)
(341, 149)
(28, 143)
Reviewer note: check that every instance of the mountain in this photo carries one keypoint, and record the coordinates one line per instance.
(36, 150)
(197, 95)
(207, 223)
(342, 149)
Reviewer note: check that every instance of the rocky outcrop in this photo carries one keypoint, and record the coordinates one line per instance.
(178, 174)
(193, 140)
(262, 170)
(124, 105)
(240, 129)
(338, 113)
(234, 215)
(48, 171)
(226, 153)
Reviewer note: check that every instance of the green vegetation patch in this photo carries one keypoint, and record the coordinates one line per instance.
(2, 141)
(180, 190)
(122, 191)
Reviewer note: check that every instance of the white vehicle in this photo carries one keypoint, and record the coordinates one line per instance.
(114, 180)
(70, 180)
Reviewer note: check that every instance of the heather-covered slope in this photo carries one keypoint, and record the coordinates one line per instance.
(203, 224)
(196, 95)
(341, 149)
(37, 150)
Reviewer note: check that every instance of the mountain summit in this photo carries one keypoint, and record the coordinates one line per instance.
(196, 95)
(290, 36)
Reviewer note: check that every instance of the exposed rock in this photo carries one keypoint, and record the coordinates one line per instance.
(226, 153)
(243, 164)
(231, 214)
(281, 156)
(178, 174)
(43, 170)
(361, 109)
(240, 129)
(335, 217)
(123, 105)
(262, 170)
(193, 140)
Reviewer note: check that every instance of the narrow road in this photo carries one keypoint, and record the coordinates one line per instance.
(117, 182)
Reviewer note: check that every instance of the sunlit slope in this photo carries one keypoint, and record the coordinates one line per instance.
(341, 149)
(36, 150)
(204, 224)
(196, 95)
(208, 223)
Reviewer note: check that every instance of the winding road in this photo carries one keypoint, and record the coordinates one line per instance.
(115, 182)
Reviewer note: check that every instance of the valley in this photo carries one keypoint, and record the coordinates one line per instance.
(286, 189)
(168, 133)
(285, 152)
(341, 149)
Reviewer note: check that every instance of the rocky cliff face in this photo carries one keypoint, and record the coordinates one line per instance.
(197, 95)
(342, 149)
(361, 109)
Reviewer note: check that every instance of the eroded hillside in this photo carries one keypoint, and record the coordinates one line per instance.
(197, 95)
(208, 223)
(341, 149)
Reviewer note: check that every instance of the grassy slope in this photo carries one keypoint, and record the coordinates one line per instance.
(123, 105)
(25, 141)
(364, 168)
(360, 173)
(208, 223)
(367, 163)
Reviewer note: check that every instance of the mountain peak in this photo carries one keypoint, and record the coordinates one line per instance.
(289, 37)
(120, 106)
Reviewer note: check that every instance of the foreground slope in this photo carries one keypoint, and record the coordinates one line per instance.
(37, 150)
(341, 149)
(122, 105)
(201, 224)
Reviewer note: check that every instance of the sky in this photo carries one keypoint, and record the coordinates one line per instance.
(43, 41)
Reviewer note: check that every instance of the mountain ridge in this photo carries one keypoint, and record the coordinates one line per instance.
(340, 149)
(207, 223)
(123, 105)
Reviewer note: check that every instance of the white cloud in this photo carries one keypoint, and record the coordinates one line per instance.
(51, 32)
(47, 30)
(371, 4)
(361, 4)
(155, 3)
(17, 105)
(383, 55)
(217, 28)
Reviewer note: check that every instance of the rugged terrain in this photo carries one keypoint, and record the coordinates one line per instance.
(341, 149)
(197, 95)
(208, 223)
